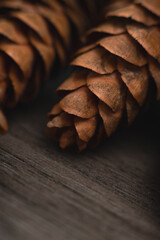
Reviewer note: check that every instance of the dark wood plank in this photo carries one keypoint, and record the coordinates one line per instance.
(112, 192)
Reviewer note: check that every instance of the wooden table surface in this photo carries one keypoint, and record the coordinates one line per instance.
(111, 193)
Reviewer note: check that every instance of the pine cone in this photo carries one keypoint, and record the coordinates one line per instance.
(32, 35)
(115, 76)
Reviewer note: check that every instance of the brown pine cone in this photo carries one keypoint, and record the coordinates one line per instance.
(32, 35)
(115, 76)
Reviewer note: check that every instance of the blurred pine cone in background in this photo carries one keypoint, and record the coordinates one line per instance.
(115, 75)
(32, 35)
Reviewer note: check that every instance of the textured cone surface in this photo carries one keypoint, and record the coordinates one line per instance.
(116, 75)
(32, 35)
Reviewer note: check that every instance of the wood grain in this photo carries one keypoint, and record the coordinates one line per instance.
(110, 193)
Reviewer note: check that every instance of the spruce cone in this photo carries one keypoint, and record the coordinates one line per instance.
(32, 35)
(115, 76)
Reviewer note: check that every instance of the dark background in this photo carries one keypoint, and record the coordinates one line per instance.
(112, 192)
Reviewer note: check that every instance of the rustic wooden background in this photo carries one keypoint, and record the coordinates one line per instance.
(111, 193)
